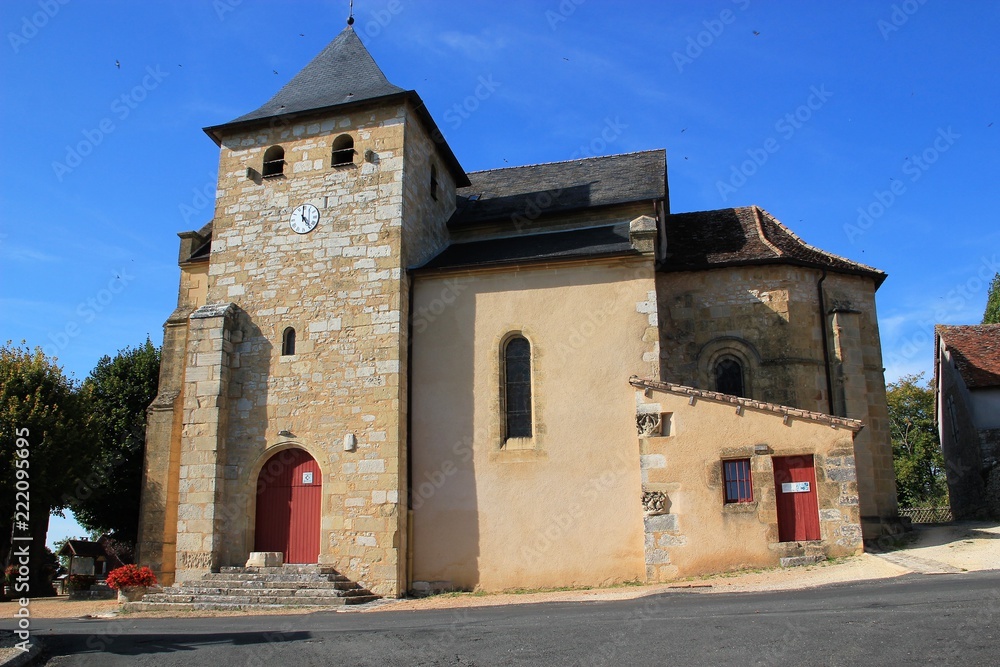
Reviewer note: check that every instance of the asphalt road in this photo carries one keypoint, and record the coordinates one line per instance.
(914, 620)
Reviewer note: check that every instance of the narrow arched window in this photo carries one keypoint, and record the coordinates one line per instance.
(729, 377)
(343, 150)
(517, 387)
(288, 342)
(434, 182)
(274, 162)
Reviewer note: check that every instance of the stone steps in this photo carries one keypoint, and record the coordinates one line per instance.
(248, 588)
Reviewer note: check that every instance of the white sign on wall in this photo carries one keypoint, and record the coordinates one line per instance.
(307, 478)
(795, 487)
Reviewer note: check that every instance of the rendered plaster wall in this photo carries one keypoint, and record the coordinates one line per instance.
(696, 532)
(563, 508)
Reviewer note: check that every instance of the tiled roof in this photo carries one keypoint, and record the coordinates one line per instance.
(976, 352)
(747, 235)
(784, 410)
(571, 244)
(558, 187)
(344, 72)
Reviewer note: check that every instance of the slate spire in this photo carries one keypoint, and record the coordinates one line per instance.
(344, 72)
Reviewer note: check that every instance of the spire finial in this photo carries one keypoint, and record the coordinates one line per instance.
(350, 19)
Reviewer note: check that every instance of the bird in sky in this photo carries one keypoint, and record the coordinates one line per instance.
(275, 71)
(118, 64)
(756, 33)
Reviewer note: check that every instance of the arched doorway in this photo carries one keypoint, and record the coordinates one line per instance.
(289, 498)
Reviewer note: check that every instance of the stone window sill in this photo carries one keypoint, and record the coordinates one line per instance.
(740, 508)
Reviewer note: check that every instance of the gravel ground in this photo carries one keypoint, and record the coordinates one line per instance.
(970, 546)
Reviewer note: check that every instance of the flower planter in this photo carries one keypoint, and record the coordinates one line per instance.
(131, 594)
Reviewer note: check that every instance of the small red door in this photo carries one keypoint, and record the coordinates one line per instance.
(289, 496)
(798, 508)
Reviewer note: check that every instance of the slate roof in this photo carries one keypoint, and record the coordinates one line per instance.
(559, 187)
(975, 350)
(343, 72)
(741, 236)
(610, 240)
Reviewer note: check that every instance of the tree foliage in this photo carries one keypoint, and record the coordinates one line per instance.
(118, 391)
(992, 313)
(916, 450)
(39, 403)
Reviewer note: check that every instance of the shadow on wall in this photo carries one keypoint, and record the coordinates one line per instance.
(247, 415)
(443, 493)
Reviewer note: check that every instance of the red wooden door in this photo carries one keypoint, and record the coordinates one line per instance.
(798, 508)
(289, 496)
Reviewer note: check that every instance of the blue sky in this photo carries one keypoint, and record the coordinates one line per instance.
(872, 129)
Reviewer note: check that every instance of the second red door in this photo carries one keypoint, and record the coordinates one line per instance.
(795, 488)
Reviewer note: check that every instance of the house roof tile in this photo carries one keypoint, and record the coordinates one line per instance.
(746, 235)
(784, 410)
(976, 351)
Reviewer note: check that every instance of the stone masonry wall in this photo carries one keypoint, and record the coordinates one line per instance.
(769, 315)
(341, 287)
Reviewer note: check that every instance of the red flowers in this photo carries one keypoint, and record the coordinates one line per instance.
(129, 576)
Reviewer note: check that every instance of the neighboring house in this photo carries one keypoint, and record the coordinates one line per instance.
(967, 411)
(530, 376)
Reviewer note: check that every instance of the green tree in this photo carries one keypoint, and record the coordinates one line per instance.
(992, 313)
(39, 405)
(916, 451)
(118, 392)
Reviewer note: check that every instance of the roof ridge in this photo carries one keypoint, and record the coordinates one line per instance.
(757, 210)
(798, 240)
(787, 411)
(582, 159)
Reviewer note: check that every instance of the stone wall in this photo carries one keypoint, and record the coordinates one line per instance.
(769, 317)
(343, 289)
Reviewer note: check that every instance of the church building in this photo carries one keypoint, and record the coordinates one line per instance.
(526, 377)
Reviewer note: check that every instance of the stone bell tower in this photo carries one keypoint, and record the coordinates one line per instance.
(291, 328)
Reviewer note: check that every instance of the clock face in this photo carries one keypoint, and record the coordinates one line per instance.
(304, 218)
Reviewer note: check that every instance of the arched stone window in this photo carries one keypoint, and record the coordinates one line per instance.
(727, 365)
(274, 162)
(288, 342)
(729, 378)
(343, 151)
(516, 387)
